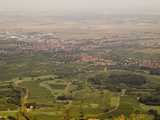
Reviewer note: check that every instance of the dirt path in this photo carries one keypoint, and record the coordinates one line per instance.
(25, 94)
(66, 90)
(45, 85)
(112, 110)
(24, 97)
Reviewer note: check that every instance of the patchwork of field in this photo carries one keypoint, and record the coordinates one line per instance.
(57, 98)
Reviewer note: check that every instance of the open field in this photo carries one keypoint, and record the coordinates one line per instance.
(85, 99)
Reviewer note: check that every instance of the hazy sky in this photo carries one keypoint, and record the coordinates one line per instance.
(102, 6)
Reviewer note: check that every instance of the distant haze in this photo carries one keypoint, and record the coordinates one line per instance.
(70, 6)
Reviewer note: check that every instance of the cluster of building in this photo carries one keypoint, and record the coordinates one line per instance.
(12, 43)
(146, 63)
(96, 60)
